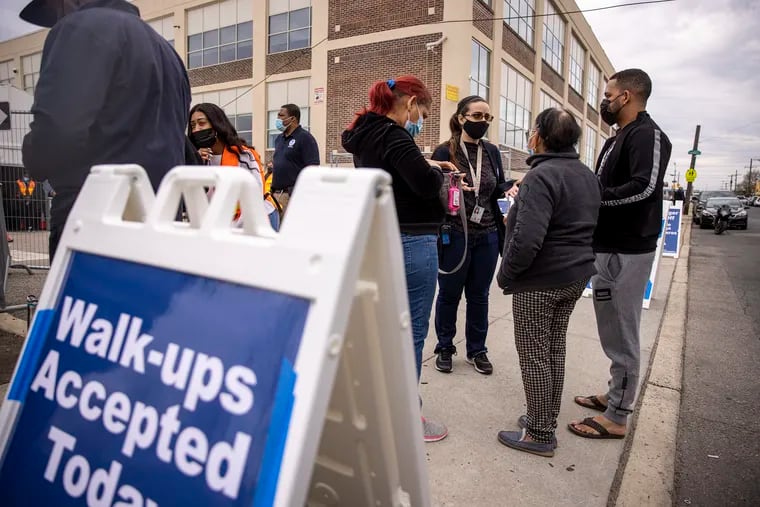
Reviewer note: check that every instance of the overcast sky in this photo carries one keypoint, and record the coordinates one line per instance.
(704, 60)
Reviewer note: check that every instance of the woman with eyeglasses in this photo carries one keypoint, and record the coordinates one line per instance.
(479, 249)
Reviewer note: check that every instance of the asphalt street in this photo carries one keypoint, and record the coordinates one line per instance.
(718, 449)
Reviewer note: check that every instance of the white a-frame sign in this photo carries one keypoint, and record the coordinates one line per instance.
(196, 363)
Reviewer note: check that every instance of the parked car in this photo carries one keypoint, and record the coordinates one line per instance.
(704, 196)
(737, 220)
(756, 202)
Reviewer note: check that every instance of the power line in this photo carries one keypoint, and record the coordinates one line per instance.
(507, 18)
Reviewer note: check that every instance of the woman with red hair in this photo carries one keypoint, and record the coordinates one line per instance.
(382, 135)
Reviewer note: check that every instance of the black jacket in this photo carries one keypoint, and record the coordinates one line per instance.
(111, 90)
(550, 226)
(443, 152)
(379, 142)
(631, 177)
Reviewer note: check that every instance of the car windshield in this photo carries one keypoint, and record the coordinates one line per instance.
(709, 194)
(716, 202)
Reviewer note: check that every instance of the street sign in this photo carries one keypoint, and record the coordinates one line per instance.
(695, 152)
(5, 116)
(691, 175)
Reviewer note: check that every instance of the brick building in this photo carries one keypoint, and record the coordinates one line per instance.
(252, 56)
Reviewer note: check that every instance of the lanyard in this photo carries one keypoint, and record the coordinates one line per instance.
(476, 171)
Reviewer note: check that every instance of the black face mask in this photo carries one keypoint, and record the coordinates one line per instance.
(608, 117)
(204, 138)
(475, 129)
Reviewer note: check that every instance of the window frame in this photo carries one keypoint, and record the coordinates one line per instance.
(477, 86)
(194, 51)
(590, 149)
(510, 134)
(553, 49)
(34, 74)
(521, 21)
(575, 76)
(593, 88)
(288, 30)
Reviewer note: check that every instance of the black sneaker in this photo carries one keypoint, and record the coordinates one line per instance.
(443, 360)
(481, 363)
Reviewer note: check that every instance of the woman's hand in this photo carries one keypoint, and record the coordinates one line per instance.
(446, 166)
(512, 192)
(205, 154)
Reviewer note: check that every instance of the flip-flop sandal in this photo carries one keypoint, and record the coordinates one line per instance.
(602, 433)
(593, 403)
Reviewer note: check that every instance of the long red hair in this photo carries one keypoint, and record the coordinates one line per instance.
(384, 94)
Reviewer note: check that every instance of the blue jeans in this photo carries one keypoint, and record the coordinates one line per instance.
(274, 220)
(474, 277)
(421, 268)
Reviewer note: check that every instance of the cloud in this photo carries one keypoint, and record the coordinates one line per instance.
(704, 60)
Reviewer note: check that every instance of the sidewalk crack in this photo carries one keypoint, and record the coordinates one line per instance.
(676, 389)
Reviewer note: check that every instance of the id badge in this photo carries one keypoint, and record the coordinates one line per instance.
(477, 214)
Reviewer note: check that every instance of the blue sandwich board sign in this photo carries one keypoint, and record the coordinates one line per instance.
(174, 363)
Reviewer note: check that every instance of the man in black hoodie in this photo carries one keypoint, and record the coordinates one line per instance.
(631, 169)
(111, 91)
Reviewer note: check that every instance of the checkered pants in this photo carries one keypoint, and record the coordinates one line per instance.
(541, 319)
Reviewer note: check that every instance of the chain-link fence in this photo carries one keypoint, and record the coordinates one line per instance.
(26, 201)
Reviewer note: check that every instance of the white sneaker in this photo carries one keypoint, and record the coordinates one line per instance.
(433, 431)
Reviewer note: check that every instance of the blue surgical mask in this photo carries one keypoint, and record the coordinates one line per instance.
(279, 125)
(414, 128)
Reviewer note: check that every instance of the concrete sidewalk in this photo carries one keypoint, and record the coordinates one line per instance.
(471, 468)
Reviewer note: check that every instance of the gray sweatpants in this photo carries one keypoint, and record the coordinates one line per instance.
(618, 293)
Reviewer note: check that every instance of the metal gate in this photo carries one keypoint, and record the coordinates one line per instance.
(26, 201)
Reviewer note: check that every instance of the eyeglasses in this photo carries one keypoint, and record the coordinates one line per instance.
(478, 116)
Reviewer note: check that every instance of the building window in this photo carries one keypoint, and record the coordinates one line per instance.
(6, 72)
(554, 38)
(30, 66)
(219, 33)
(164, 27)
(289, 25)
(590, 158)
(237, 105)
(514, 107)
(548, 101)
(593, 86)
(292, 91)
(479, 70)
(520, 15)
(577, 59)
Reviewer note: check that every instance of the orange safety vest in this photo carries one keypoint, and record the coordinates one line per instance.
(230, 158)
(26, 189)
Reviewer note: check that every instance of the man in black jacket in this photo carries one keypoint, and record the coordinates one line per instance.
(111, 91)
(631, 169)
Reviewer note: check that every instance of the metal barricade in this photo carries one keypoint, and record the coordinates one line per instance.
(26, 201)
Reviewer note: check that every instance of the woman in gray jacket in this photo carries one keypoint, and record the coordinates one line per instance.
(546, 264)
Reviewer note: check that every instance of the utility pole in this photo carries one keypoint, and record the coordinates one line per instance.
(730, 181)
(736, 179)
(689, 185)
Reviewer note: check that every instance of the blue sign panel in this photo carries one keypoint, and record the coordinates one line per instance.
(150, 387)
(672, 232)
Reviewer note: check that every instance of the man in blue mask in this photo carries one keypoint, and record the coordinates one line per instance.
(294, 149)
(111, 91)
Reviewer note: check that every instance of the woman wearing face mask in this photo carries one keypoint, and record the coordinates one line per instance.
(218, 143)
(483, 184)
(382, 135)
(547, 261)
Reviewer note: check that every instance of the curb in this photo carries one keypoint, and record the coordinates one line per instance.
(13, 325)
(645, 476)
